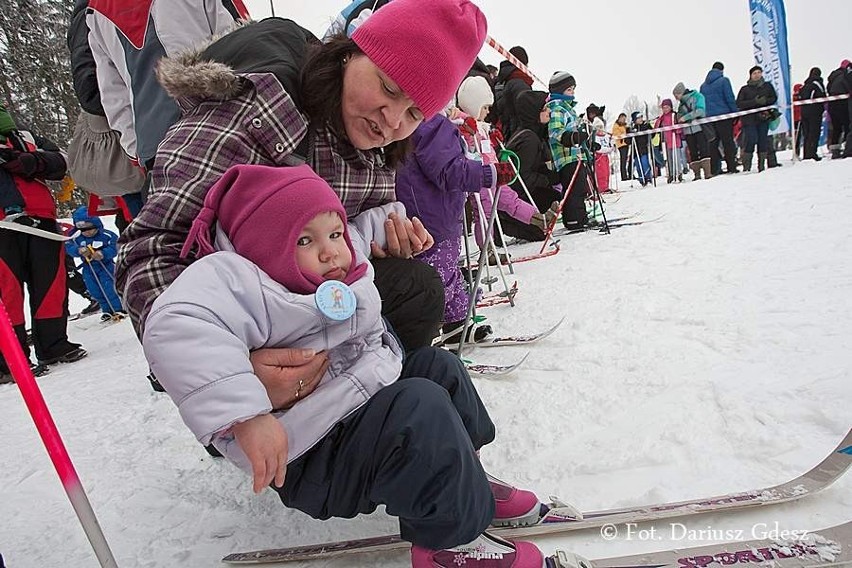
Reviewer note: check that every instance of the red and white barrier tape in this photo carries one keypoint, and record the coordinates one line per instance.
(512, 59)
(726, 117)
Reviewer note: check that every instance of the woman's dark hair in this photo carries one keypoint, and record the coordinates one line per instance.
(322, 90)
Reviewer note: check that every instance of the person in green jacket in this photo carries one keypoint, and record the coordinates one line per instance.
(692, 107)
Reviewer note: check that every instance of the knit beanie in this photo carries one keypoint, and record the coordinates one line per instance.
(7, 124)
(520, 54)
(263, 210)
(667, 102)
(474, 93)
(679, 89)
(719, 65)
(560, 81)
(845, 63)
(755, 68)
(425, 47)
(634, 116)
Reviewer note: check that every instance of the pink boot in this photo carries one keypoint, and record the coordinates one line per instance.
(486, 551)
(515, 507)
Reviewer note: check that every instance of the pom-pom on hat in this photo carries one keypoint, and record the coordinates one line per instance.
(560, 81)
(474, 93)
(425, 47)
(262, 210)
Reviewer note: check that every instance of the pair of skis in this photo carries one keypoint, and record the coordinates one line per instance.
(497, 370)
(823, 551)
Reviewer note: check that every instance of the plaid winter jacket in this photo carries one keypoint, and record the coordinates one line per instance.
(238, 119)
(562, 119)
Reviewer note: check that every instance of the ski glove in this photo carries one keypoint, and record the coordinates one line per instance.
(19, 163)
(496, 138)
(469, 126)
(505, 173)
(573, 139)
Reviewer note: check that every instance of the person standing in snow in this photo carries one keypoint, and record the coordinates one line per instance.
(381, 430)
(811, 121)
(692, 106)
(509, 82)
(719, 99)
(97, 247)
(756, 93)
(672, 139)
(642, 147)
(840, 83)
(619, 129)
(566, 145)
(33, 262)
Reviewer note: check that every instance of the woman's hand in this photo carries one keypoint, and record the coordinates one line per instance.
(405, 238)
(264, 442)
(289, 375)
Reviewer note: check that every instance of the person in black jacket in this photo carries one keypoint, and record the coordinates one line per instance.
(530, 144)
(510, 81)
(811, 121)
(840, 83)
(756, 93)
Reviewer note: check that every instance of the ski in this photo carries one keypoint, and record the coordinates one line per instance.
(556, 520)
(13, 226)
(496, 298)
(516, 339)
(554, 249)
(481, 370)
(797, 549)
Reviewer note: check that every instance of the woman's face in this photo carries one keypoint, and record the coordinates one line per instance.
(375, 110)
(544, 115)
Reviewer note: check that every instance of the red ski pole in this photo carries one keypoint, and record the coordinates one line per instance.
(565, 195)
(20, 368)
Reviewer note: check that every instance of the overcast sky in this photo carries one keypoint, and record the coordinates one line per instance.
(616, 48)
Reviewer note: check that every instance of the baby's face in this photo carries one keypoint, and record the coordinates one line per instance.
(321, 248)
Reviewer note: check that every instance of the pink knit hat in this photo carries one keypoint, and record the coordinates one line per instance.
(426, 47)
(845, 63)
(262, 210)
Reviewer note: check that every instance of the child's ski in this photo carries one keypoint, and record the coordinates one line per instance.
(493, 370)
(516, 339)
(496, 298)
(829, 470)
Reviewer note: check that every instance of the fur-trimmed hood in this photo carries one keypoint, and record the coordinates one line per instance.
(212, 71)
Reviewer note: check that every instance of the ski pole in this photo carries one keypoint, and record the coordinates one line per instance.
(566, 191)
(20, 368)
(98, 281)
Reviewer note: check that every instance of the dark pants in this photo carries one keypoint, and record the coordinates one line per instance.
(410, 447)
(725, 137)
(38, 264)
(697, 144)
(624, 161)
(74, 279)
(518, 229)
(756, 134)
(412, 299)
(574, 211)
(838, 112)
(811, 126)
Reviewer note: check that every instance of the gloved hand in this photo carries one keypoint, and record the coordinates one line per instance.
(496, 138)
(570, 139)
(98, 255)
(505, 173)
(19, 163)
(760, 100)
(469, 126)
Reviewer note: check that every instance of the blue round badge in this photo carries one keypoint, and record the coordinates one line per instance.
(335, 300)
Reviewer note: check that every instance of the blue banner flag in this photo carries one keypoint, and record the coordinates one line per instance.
(769, 39)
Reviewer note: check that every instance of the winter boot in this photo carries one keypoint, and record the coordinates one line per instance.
(772, 160)
(73, 355)
(747, 158)
(835, 151)
(696, 170)
(93, 307)
(514, 507)
(486, 551)
(706, 167)
(504, 259)
(479, 332)
(761, 161)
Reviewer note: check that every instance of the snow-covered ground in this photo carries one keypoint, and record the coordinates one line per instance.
(705, 353)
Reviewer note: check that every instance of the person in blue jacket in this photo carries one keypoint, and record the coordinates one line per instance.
(97, 247)
(719, 99)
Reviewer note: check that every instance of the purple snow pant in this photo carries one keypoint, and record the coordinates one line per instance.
(444, 258)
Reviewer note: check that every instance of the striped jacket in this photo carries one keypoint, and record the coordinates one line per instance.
(252, 120)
